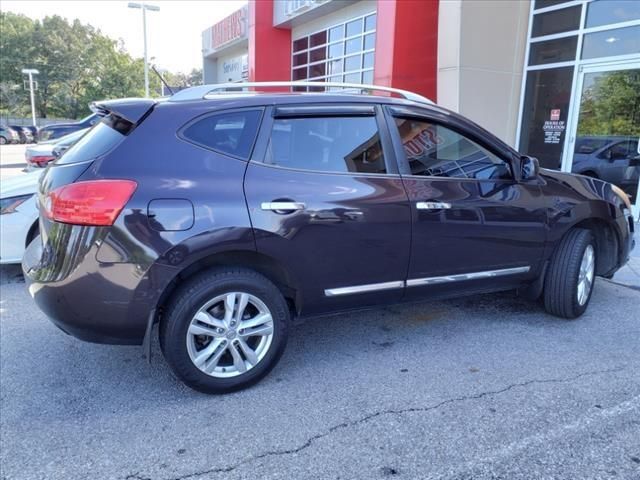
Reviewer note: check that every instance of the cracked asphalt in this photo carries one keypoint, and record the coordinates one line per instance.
(484, 387)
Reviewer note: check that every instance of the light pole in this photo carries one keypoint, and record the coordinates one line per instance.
(152, 8)
(31, 72)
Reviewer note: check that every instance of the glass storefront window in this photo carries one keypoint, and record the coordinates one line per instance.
(354, 28)
(337, 53)
(336, 33)
(544, 114)
(370, 23)
(556, 21)
(608, 43)
(370, 41)
(301, 44)
(609, 128)
(601, 12)
(318, 39)
(553, 51)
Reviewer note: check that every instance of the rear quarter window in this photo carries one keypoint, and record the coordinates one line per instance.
(100, 139)
(230, 133)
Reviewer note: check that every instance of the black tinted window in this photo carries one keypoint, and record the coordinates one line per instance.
(97, 141)
(232, 133)
(330, 144)
(434, 150)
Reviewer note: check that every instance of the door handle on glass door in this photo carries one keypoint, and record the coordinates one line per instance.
(432, 205)
(282, 207)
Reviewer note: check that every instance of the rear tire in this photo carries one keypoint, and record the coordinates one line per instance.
(569, 281)
(209, 345)
(3, 140)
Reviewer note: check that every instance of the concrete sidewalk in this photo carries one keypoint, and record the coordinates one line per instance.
(629, 275)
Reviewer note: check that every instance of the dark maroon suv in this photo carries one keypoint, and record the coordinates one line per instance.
(221, 215)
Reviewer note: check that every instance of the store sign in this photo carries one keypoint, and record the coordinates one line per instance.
(226, 31)
(233, 69)
(553, 128)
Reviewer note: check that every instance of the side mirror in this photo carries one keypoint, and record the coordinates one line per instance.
(529, 167)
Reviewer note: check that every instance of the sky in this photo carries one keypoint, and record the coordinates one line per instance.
(174, 34)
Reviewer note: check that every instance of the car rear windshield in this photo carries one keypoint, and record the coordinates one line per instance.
(100, 139)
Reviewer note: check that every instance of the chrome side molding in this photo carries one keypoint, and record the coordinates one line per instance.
(334, 292)
(416, 282)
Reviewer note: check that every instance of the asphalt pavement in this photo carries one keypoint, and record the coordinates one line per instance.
(476, 388)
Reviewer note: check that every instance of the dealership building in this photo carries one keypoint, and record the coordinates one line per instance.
(557, 79)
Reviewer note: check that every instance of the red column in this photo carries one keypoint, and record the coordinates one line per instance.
(407, 45)
(269, 47)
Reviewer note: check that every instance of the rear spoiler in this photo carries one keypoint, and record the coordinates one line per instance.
(130, 109)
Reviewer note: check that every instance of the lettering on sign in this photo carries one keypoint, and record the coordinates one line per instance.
(230, 28)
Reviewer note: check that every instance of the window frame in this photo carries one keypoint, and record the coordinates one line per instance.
(259, 108)
(456, 125)
(324, 110)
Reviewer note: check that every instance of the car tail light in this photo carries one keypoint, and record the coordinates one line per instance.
(41, 160)
(97, 202)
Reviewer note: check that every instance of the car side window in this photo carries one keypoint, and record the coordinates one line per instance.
(621, 150)
(437, 151)
(327, 144)
(232, 133)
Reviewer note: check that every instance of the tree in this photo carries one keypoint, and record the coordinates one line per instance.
(611, 105)
(77, 64)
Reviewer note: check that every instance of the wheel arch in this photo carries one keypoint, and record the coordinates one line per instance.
(607, 242)
(249, 259)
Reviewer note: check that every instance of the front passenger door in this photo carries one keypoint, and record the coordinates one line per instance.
(475, 227)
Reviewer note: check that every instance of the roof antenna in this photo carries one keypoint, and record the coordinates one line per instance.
(153, 67)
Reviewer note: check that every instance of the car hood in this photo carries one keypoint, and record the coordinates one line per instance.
(22, 184)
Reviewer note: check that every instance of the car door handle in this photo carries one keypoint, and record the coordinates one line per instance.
(282, 207)
(432, 205)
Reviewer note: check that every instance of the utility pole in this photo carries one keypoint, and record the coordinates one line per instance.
(144, 7)
(31, 72)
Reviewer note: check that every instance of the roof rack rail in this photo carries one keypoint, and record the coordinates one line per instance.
(203, 91)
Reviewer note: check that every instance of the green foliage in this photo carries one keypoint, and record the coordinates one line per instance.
(611, 105)
(77, 64)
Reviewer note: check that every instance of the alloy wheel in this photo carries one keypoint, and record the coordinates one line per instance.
(230, 334)
(586, 274)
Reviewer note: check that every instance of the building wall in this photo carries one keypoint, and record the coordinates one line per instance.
(481, 52)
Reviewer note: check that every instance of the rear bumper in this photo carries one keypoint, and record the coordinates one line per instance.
(92, 301)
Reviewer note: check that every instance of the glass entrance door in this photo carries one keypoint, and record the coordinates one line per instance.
(605, 127)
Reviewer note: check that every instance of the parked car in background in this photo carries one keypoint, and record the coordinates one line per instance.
(18, 215)
(40, 155)
(33, 130)
(55, 131)
(221, 215)
(8, 135)
(614, 159)
(25, 134)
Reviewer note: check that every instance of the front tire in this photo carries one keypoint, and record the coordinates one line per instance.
(224, 330)
(569, 281)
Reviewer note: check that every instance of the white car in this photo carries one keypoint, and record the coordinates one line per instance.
(40, 155)
(18, 215)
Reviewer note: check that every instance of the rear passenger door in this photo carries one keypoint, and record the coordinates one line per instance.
(327, 203)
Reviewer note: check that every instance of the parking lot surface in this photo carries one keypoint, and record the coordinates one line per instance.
(481, 387)
(12, 160)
